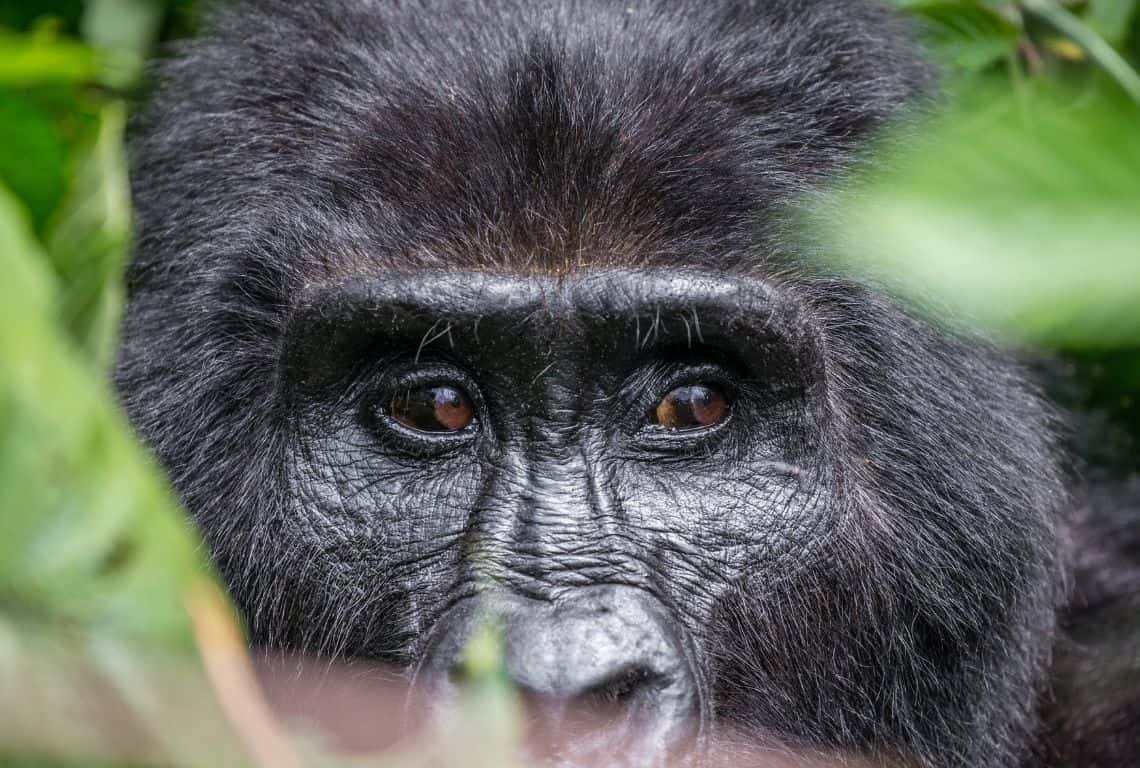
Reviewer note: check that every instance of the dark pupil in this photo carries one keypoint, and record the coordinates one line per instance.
(432, 409)
(691, 407)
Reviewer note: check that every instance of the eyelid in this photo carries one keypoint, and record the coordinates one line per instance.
(661, 376)
(410, 376)
(416, 375)
(699, 374)
(649, 385)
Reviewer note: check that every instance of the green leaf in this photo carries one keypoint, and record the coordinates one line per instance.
(488, 711)
(97, 562)
(1111, 18)
(126, 25)
(23, 14)
(968, 36)
(90, 236)
(125, 30)
(89, 533)
(1104, 54)
(1017, 216)
(70, 699)
(34, 59)
(34, 161)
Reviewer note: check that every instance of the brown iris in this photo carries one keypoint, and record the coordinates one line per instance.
(439, 408)
(691, 407)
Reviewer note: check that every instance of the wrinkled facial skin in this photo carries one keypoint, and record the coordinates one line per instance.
(563, 479)
(449, 310)
(768, 572)
(562, 491)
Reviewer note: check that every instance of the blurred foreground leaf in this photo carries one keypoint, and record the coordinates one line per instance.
(104, 592)
(70, 698)
(33, 163)
(88, 532)
(1081, 34)
(129, 25)
(1111, 18)
(124, 30)
(90, 237)
(488, 711)
(21, 14)
(1021, 216)
(37, 59)
(96, 561)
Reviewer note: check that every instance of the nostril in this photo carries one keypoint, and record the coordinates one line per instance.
(618, 689)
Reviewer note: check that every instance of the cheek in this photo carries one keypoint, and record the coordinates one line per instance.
(718, 525)
(372, 515)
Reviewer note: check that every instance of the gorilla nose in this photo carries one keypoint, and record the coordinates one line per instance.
(607, 649)
(603, 655)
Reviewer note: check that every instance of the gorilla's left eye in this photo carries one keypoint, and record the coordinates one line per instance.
(441, 408)
(694, 406)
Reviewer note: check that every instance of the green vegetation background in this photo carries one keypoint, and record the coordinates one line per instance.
(1016, 208)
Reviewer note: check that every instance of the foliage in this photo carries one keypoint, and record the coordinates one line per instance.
(1013, 207)
(1017, 215)
(1016, 207)
(97, 563)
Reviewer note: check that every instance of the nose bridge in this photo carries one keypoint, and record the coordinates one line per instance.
(542, 524)
(545, 517)
(557, 525)
(558, 485)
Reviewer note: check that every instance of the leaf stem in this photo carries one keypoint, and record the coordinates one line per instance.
(1096, 46)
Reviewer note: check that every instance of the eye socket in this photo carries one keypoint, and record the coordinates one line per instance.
(691, 407)
(438, 408)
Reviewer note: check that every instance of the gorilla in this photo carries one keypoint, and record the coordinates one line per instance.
(448, 309)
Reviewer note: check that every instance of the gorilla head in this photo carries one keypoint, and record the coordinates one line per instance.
(452, 308)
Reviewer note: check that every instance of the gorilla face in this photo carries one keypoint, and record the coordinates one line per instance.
(677, 491)
(596, 458)
(489, 309)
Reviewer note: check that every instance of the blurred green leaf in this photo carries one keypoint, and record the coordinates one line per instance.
(34, 59)
(22, 14)
(126, 25)
(1017, 216)
(125, 30)
(1112, 18)
(96, 560)
(89, 239)
(34, 161)
(1095, 45)
(88, 531)
(70, 699)
(488, 710)
(967, 36)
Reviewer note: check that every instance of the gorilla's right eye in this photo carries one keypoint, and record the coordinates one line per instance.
(439, 408)
(692, 407)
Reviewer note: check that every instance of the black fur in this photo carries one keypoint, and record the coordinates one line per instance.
(309, 143)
